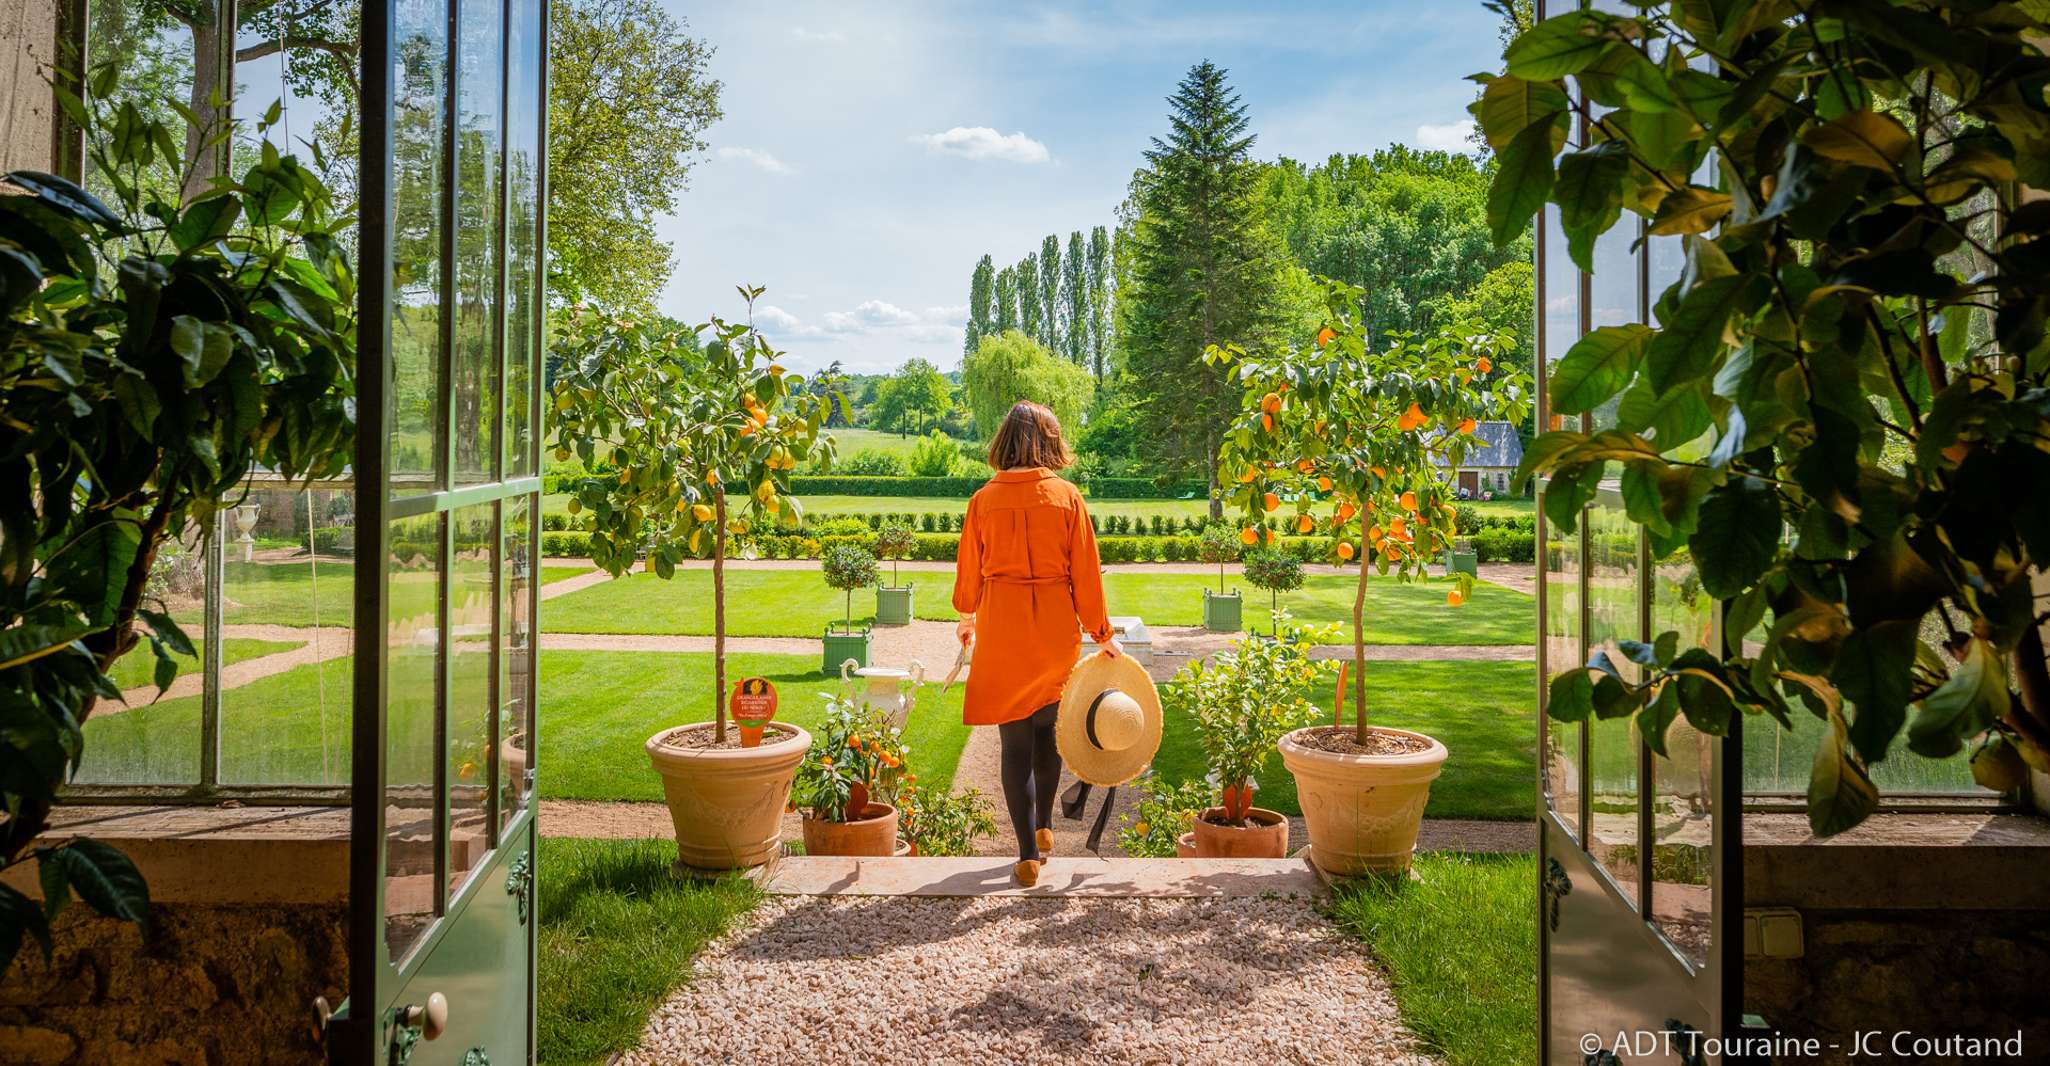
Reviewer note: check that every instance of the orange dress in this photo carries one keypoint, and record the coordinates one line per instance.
(1028, 570)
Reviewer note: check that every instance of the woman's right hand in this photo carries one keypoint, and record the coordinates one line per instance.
(964, 630)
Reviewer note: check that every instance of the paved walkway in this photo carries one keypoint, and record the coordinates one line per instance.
(1031, 980)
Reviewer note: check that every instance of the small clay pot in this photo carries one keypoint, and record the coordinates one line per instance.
(874, 833)
(1264, 836)
(1185, 846)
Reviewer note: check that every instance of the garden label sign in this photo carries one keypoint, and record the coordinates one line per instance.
(753, 704)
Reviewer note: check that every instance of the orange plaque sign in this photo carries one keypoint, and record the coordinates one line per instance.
(752, 705)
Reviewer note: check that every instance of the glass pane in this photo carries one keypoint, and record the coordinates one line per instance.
(143, 739)
(472, 594)
(412, 697)
(156, 58)
(288, 598)
(523, 175)
(1561, 651)
(480, 84)
(1683, 816)
(1612, 599)
(1613, 292)
(1561, 312)
(421, 42)
(516, 666)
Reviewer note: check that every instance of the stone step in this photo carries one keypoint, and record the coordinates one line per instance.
(983, 875)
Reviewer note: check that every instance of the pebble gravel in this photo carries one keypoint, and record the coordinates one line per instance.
(881, 980)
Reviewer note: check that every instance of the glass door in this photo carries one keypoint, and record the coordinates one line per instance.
(442, 936)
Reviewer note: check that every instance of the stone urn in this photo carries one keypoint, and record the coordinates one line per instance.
(892, 690)
(1362, 810)
(726, 803)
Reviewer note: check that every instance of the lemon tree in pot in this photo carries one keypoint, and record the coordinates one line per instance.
(1242, 704)
(847, 567)
(848, 783)
(700, 428)
(1373, 434)
(1276, 572)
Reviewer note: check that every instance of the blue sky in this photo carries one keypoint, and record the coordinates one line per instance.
(871, 153)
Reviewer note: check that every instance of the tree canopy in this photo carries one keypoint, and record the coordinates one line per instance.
(1011, 367)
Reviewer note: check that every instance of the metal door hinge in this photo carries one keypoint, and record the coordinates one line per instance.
(519, 881)
(1557, 886)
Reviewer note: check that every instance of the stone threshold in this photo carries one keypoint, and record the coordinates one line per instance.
(1095, 878)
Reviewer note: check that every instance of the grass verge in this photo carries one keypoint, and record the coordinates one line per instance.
(617, 935)
(1460, 945)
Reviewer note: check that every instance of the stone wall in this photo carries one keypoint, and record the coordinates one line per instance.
(28, 45)
(204, 983)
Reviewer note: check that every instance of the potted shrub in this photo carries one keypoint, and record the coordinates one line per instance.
(1222, 612)
(696, 431)
(895, 542)
(1867, 456)
(937, 822)
(1373, 433)
(847, 785)
(1277, 572)
(1162, 824)
(847, 567)
(1242, 703)
(1460, 558)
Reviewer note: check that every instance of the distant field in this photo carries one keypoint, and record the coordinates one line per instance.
(850, 441)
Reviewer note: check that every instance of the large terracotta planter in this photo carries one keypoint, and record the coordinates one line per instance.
(1362, 811)
(1264, 836)
(874, 833)
(727, 803)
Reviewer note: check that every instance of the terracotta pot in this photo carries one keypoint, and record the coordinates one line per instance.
(874, 833)
(905, 847)
(726, 804)
(1264, 836)
(1185, 846)
(513, 753)
(1362, 810)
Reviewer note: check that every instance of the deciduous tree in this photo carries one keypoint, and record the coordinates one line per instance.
(1012, 367)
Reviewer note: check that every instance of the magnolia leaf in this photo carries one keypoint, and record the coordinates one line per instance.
(1510, 105)
(1861, 138)
(1589, 193)
(1840, 793)
(1736, 536)
(1556, 47)
(1523, 181)
(1690, 210)
(1874, 671)
(1597, 367)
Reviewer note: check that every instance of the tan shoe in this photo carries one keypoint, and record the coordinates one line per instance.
(1025, 872)
(1044, 839)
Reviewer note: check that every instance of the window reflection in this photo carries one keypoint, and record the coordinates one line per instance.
(1612, 599)
(1683, 815)
(472, 628)
(1564, 773)
(413, 639)
(417, 429)
(475, 369)
(516, 670)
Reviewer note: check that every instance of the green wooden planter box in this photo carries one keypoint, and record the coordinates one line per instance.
(842, 646)
(1222, 612)
(1462, 563)
(893, 605)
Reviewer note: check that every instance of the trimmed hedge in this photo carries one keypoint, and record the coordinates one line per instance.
(1139, 488)
(1106, 488)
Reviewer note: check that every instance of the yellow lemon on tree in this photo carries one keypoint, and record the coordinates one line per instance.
(1270, 501)
(1407, 500)
(1345, 549)
(703, 512)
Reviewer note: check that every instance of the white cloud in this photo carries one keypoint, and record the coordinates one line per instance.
(769, 316)
(957, 314)
(982, 142)
(870, 318)
(1452, 138)
(803, 33)
(871, 314)
(756, 156)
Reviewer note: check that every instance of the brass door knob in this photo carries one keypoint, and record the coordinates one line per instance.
(432, 1019)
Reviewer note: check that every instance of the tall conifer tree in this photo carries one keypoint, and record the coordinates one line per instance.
(1050, 293)
(1205, 270)
(1030, 309)
(1097, 310)
(1074, 304)
(981, 305)
(1006, 292)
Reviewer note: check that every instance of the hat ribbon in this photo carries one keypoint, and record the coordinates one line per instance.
(1076, 798)
(1089, 721)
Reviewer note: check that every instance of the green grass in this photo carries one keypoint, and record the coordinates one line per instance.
(798, 603)
(138, 667)
(1460, 944)
(1480, 711)
(284, 593)
(617, 934)
(1514, 505)
(597, 708)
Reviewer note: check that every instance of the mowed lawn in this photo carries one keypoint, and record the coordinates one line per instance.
(309, 593)
(138, 667)
(798, 603)
(1480, 711)
(598, 709)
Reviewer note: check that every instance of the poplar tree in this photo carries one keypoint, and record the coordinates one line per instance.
(981, 304)
(1050, 293)
(1097, 309)
(1206, 270)
(1029, 307)
(1074, 304)
(1006, 291)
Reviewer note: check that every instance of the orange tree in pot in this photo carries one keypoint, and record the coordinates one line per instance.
(1363, 441)
(848, 784)
(1242, 704)
(696, 430)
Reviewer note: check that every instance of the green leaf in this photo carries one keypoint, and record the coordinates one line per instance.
(1657, 717)
(1570, 696)
(91, 569)
(208, 220)
(1736, 536)
(1589, 193)
(1686, 347)
(1509, 105)
(1668, 421)
(55, 882)
(1690, 210)
(1840, 793)
(104, 878)
(1861, 138)
(20, 916)
(1597, 367)
(1874, 671)
(1556, 47)
(1523, 181)
(1972, 699)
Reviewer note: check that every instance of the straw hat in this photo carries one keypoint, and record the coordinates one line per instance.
(1108, 727)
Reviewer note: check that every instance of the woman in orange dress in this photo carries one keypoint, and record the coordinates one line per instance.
(1027, 583)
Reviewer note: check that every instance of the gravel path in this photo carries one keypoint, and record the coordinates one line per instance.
(1031, 980)
(316, 645)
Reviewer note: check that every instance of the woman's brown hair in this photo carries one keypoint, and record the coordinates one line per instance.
(1030, 436)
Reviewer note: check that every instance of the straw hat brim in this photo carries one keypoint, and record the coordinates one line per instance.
(1090, 678)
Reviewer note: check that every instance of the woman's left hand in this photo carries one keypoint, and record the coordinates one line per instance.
(1110, 648)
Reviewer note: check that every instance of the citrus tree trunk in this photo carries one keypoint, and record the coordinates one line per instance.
(719, 617)
(1359, 657)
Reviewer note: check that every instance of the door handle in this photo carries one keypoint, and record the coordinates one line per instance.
(431, 1020)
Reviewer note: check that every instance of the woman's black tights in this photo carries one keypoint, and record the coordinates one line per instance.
(1032, 774)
